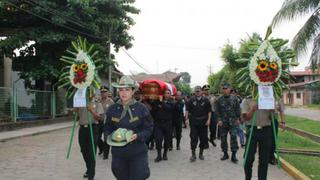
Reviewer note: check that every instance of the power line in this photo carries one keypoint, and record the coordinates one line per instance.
(48, 20)
(135, 61)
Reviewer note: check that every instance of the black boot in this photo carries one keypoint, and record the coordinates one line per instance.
(178, 144)
(212, 142)
(201, 157)
(225, 156)
(165, 157)
(193, 156)
(159, 158)
(234, 157)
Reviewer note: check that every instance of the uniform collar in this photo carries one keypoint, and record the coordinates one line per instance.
(126, 108)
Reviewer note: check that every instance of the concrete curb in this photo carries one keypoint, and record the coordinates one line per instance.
(3, 139)
(305, 134)
(292, 171)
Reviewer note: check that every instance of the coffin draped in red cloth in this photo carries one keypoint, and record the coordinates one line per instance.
(153, 88)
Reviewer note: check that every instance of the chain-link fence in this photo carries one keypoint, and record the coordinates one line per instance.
(23, 105)
(5, 104)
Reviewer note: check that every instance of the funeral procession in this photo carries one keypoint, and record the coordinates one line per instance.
(159, 90)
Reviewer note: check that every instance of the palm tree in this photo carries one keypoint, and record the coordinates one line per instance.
(310, 31)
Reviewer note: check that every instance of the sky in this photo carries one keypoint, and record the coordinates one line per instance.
(187, 36)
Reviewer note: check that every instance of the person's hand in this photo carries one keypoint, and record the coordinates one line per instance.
(96, 116)
(160, 98)
(254, 107)
(220, 123)
(187, 122)
(283, 126)
(133, 137)
(208, 122)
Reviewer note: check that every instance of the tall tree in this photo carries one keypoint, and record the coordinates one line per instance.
(45, 29)
(310, 31)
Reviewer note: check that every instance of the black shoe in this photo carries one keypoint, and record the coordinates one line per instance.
(178, 147)
(201, 157)
(158, 159)
(213, 143)
(105, 156)
(165, 157)
(193, 157)
(273, 161)
(100, 152)
(234, 158)
(85, 175)
(225, 157)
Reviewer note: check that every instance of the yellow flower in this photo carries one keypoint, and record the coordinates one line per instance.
(273, 65)
(75, 67)
(263, 65)
(84, 66)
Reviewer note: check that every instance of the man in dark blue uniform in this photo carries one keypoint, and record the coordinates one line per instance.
(199, 111)
(163, 114)
(178, 117)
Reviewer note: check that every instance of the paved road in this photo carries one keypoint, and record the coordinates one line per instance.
(304, 113)
(43, 157)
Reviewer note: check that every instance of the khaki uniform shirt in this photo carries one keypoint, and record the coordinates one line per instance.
(83, 113)
(106, 103)
(263, 117)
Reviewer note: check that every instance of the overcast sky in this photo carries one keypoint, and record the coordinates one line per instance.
(185, 35)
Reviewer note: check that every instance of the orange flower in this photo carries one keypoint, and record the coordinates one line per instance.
(263, 65)
(273, 65)
(84, 66)
(75, 67)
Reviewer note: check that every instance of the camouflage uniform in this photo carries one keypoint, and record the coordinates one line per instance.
(228, 111)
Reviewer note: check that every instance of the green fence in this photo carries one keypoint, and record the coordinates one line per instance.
(23, 105)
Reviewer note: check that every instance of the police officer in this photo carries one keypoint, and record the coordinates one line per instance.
(228, 113)
(106, 102)
(199, 112)
(262, 136)
(163, 114)
(213, 123)
(129, 161)
(178, 117)
(84, 134)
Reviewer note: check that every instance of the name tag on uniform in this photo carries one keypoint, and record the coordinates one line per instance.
(114, 119)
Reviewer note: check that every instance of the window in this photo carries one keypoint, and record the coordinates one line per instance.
(298, 95)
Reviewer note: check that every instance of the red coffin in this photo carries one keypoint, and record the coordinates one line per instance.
(153, 88)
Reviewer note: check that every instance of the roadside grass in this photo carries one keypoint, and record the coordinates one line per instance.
(308, 165)
(303, 124)
(314, 106)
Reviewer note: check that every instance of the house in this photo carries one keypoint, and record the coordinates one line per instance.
(304, 89)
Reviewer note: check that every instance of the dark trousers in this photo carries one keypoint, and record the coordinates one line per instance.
(163, 134)
(273, 144)
(199, 132)
(213, 126)
(101, 145)
(150, 141)
(134, 168)
(262, 138)
(177, 127)
(86, 148)
(232, 130)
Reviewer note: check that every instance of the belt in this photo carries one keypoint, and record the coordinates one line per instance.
(86, 125)
(261, 127)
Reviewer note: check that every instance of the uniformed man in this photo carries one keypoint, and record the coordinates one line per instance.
(262, 136)
(228, 112)
(84, 135)
(199, 112)
(106, 102)
(178, 117)
(213, 123)
(163, 114)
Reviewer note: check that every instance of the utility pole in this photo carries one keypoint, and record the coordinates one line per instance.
(210, 69)
(109, 57)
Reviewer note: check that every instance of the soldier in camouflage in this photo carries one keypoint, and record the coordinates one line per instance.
(228, 113)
